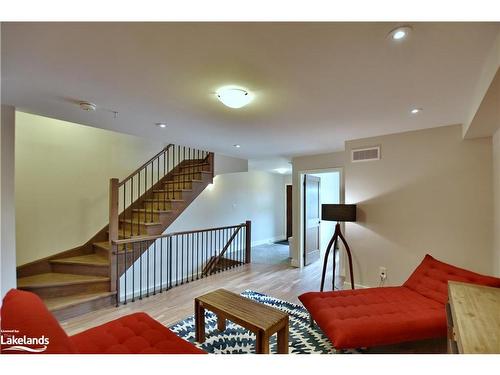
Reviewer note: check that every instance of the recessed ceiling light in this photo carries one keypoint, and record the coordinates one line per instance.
(414, 111)
(161, 125)
(88, 106)
(237, 146)
(400, 33)
(234, 97)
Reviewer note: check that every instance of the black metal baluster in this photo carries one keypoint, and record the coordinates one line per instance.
(161, 265)
(192, 257)
(118, 291)
(125, 278)
(154, 269)
(139, 213)
(133, 274)
(147, 270)
(198, 256)
(177, 263)
(152, 175)
(124, 203)
(170, 262)
(140, 266)
(131, 200)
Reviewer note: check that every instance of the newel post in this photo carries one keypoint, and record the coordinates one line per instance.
(113, 230)
(211, 161)
(248, 242)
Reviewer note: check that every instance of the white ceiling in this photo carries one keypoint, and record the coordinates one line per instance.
(316, 84)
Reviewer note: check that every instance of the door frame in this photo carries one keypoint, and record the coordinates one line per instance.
(300, 188)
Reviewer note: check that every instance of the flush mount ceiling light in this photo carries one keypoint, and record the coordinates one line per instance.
(88, 106)
(161, 125)
(236, 146)
(414, 111)
(400, 33)
(282, 170)
(234, 97)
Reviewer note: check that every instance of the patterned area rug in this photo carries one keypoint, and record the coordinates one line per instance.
(303, 339)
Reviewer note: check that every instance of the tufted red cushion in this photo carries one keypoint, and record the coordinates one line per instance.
(25, 313)
(131, 334)
(431, 277)
(383, 316)
(136, 333)
(375, 316)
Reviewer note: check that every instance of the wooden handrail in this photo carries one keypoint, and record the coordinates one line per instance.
(165, 149)
(153, 238)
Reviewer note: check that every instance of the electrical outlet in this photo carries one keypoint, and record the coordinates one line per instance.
(382, 271)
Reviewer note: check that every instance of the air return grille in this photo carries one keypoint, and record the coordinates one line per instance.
(366, 154)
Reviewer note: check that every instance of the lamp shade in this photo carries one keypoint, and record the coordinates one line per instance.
(338, 212)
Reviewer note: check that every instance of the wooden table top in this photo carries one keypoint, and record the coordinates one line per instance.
(476, 317)
(243, 310)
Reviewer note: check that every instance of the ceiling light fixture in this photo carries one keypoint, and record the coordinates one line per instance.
(234, 97)
(236, 146)
(161, 125)
(400, 33)
(282, 170)
(414, 111)
(88, 106)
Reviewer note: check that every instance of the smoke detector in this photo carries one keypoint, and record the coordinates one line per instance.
(87, 106)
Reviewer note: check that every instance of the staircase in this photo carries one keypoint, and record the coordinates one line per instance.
(145, 203)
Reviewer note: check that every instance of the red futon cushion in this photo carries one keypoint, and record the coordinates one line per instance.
(24, 313)
(135, 333)
(382, 316)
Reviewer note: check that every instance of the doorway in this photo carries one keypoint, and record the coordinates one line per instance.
(318, 188)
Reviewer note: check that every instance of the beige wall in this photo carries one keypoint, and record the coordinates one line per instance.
(430, 193)
(496, 202)
(62, 177)
(7, 208)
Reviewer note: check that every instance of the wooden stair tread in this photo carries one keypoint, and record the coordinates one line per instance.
(89, 259)
(58, 303)
(171, 190)
(49, 279)
(164, 200)
(180, 182)
(154, 211)
(191, 174)
(135, 222)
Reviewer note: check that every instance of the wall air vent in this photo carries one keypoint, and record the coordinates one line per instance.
(365, 154)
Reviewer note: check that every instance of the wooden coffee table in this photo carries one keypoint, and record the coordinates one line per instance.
(262, 320)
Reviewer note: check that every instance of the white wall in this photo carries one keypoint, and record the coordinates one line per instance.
(430, 193)
(236, 197)
(8, 214)
(496, 202)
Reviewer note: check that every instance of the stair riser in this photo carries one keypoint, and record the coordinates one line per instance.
(80, 269)
(84, 307)
(168, 195)
(188, 177)
(101, 251)
(69, 290)
(177, 185)
(148, 216)
(195, 169)
(148, 230)
(163, 205)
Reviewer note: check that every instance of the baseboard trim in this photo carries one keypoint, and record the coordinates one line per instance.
(268, 240)
(347, 285)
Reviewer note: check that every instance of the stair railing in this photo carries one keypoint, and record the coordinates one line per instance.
(154, 264)
(139, 187)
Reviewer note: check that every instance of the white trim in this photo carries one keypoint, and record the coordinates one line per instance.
(269, 240)
(347, 286)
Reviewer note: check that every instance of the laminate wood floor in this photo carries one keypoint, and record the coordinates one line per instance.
(278, 280)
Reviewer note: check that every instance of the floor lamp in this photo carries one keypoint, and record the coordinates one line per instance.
(338, 213)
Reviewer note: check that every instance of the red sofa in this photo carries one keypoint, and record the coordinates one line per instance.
(390, 315)
(24, 314)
